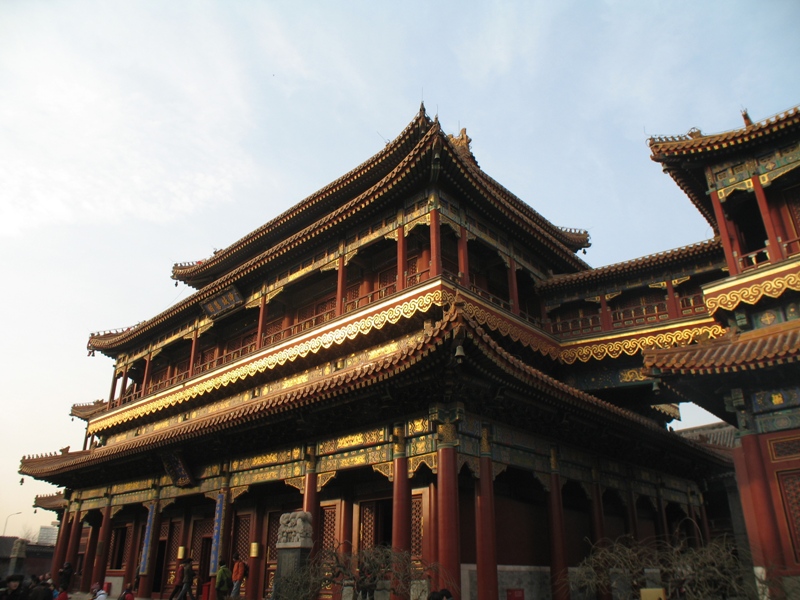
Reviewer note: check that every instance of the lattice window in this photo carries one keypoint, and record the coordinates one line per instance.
(368, 521)
(241, 536)
(272, 536)
(120, 547)
(202, 528)
(163, 530)
(328, 527)
(790, 490)
(416, 527)
(786, 448)
(174, 542)
(386, 282)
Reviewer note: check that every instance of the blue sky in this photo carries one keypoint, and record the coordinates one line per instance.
(136, 135)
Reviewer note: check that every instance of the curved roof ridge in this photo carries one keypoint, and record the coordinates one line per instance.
(516, 207)
(188, 270)
(565, 235)
(109, 341)
(695, 137)
(643, 262)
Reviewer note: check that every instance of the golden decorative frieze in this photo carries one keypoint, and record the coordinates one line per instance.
(415, 462)
(131, 486)
(680, 280)
(631, 375)
(423, 220)
(505, 327)
(386, 469)
(659, 285)
(323, 479)
(631, 346)
(266, 474)
(365, 438)
(115, 509)
(498, 468)
(296, 482)
(238, 491)
(391, 315)
(753, 293)
(418, 426)
(268, 459)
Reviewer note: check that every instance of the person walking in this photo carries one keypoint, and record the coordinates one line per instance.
(188, 580)
(224, 580)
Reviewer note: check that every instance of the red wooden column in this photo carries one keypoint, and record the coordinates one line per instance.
(633, 515)
(74, 540)
(124, 381)
(513, 290)
(262, 312)
(463, 257)
(727, 233)
(704, 516)
(88, 559)
(149, 549)
(599, 522)
(401, 495)
(101, 556)
(775, 248)
(193, 353)
(256, 558)
(559, 574)
(447, 507)
(341, 279)
(767, 545)
(60, 554)
(605, 314)
(673, 308)
(485, 525)
(436, 244)
(113, 386)
(311, 496)
(146, 378)
(400, 284)
(598, 515)
(130, 566)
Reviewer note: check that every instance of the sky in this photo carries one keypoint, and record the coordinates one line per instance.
(134, 135)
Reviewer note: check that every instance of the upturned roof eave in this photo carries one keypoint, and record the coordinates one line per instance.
(599, 275)
(55, 468)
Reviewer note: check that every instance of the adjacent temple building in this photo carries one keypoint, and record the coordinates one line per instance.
(418, 358)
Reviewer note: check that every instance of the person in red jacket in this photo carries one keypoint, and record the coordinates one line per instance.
(239, 573)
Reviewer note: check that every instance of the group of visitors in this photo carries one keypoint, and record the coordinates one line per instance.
(229, 582)
(38, 587)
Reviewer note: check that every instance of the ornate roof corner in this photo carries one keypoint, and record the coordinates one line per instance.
(87, 410)
(462, 145)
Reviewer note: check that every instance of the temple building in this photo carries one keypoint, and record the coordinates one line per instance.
(418, 358)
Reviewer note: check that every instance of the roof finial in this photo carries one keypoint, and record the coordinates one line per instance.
(747, 120)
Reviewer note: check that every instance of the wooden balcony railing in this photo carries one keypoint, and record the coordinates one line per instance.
(639, 315)
(576, 326)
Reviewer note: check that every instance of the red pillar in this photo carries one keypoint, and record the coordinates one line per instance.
(88, 559)
(559, 574)
(401, 496)
(262, 312)
(436, 244)
(775, 248)
(400, 284)
(60, 554)
(124, 381)
(605, 314)
(485, 526)
(513, 291)
(463, 258)
(253, 582)
(311, 497)
(113, 386)
(132, 564)
(673, 308)
(101, 556)
(146, 378)
(74, 541)
(727, 234)
(341, 278)
(193, 353)
(767, 546)
(447, 508)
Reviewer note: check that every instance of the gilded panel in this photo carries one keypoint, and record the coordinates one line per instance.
(134, 498)
(94, 503)
(422, 445)
(265, 474)
(469, 446)
(418, 426)
(415, 462)
(270, 458)
(131, 486)
(365, 438)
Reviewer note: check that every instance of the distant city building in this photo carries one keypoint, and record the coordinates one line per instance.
(48, 534)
